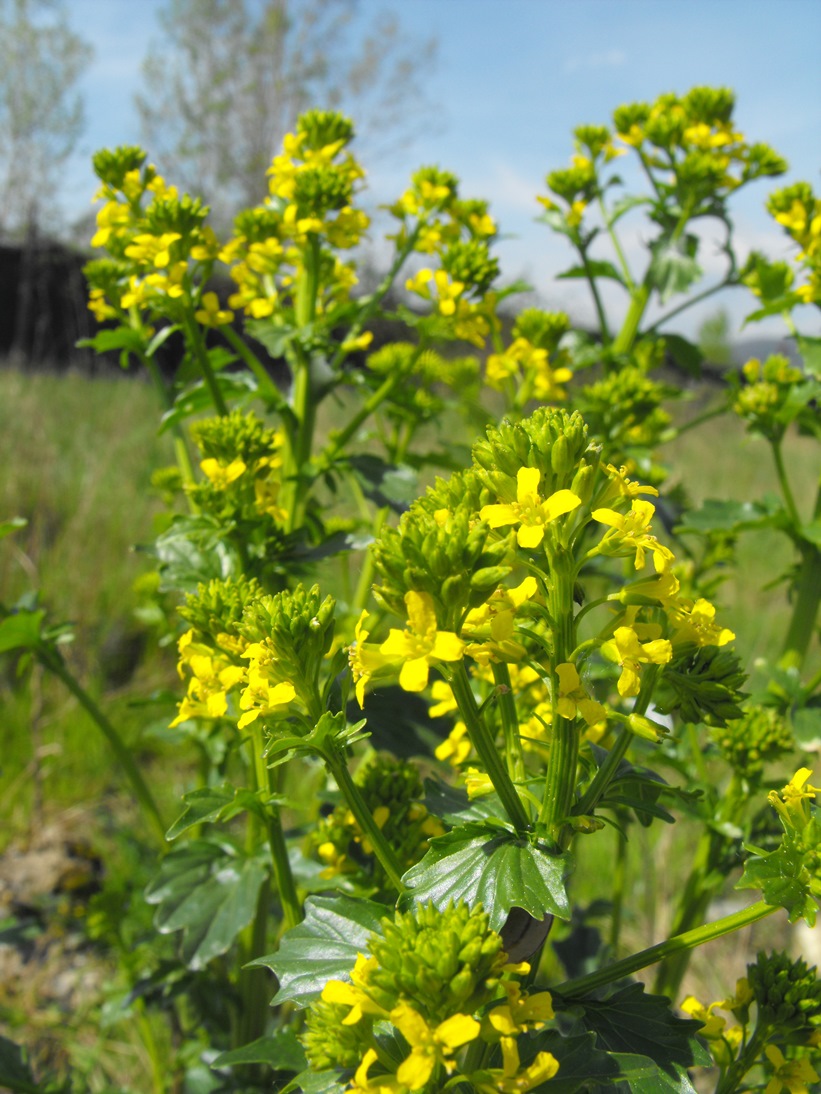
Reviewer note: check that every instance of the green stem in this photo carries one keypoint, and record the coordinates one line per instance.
(619, 877)
(180, 445)
(594, 289)
(341, 437)
(510, 722)
(614, 239)
(638, 304)
(784, 483)
(364, 818)
(485, 746)
(52, 660)
(602, 778)
(727, 282)
(806, 600)
(583, 985)
(560, 779)
(195, 340)
(286, 887)
(731, 1080)
(267, 388)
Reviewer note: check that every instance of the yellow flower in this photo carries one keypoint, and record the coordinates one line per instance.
(522, 1012)
(447, 291)
(383, 1084)
(421, 645)
(791, 803)
(695, 622)
(477, 783)
(626, 650)
(364, 658)
(430, 1047)
(262, 696)
(712, 1025)
(529, 511)
(791, 1075)
(210, 314)
(153, 250)
(511, 1078)
(631, 533)
(456, 747)
(221, 475)
(574, 699)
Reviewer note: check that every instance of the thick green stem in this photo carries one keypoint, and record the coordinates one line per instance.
(638, 303)
(807, 598)
(52, 660)
(356, 803)
(485, 746)
(582, 985)
(267, 388)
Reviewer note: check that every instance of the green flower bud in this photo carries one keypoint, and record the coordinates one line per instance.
(297, 628)
(703, 684)
(440, 962)
(760, 735)
(216, 608)
(787, 992)
(542, 329)
(324, 127)
(327, 1042)
(529, 443)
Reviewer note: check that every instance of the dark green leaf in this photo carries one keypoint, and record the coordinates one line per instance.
(275, 338)
(482, 864)
(686, 355)
(323, 947)
(281, 1051)
(398, 722)
(592, 269)
(159, 338)
(632, 1022)
(452, 804)
(580, 1062)
(209, 892)
(122, 338)
(214, 803)
(385, 483)
(673, 267)
(21, 630)
(14, 1071)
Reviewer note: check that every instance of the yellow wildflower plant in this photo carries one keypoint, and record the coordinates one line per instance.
(792, 801)
(530, 511)
(432, 1047)
(222, 475)
(421, 644)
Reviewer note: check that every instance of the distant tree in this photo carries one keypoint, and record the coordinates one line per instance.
(229, 78)
(41, 113)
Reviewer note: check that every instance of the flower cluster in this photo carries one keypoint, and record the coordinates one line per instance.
(798, 211)
(439, 982)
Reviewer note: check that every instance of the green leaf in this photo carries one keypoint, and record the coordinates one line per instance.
(452, 804)
(208, 891)
(685, 354)
(385, 483)
(643, 1075)
(197, 399)
(9, 526)
(214, 803)
(624, 205)
(727, 516)
(481, 864)
(280, 1050)
(122, 338)
(806, 724)
(594, 268)
(192, 551)
(810, 350)
(323, 947)
(22, 630)
(317, 1082)
(783, 880)
(14, 1070)
(634, 1023)
(673, 267)
(580, 1062)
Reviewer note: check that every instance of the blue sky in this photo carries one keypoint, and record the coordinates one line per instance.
(513, 77)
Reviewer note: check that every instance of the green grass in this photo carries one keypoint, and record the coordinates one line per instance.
(77, 456)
